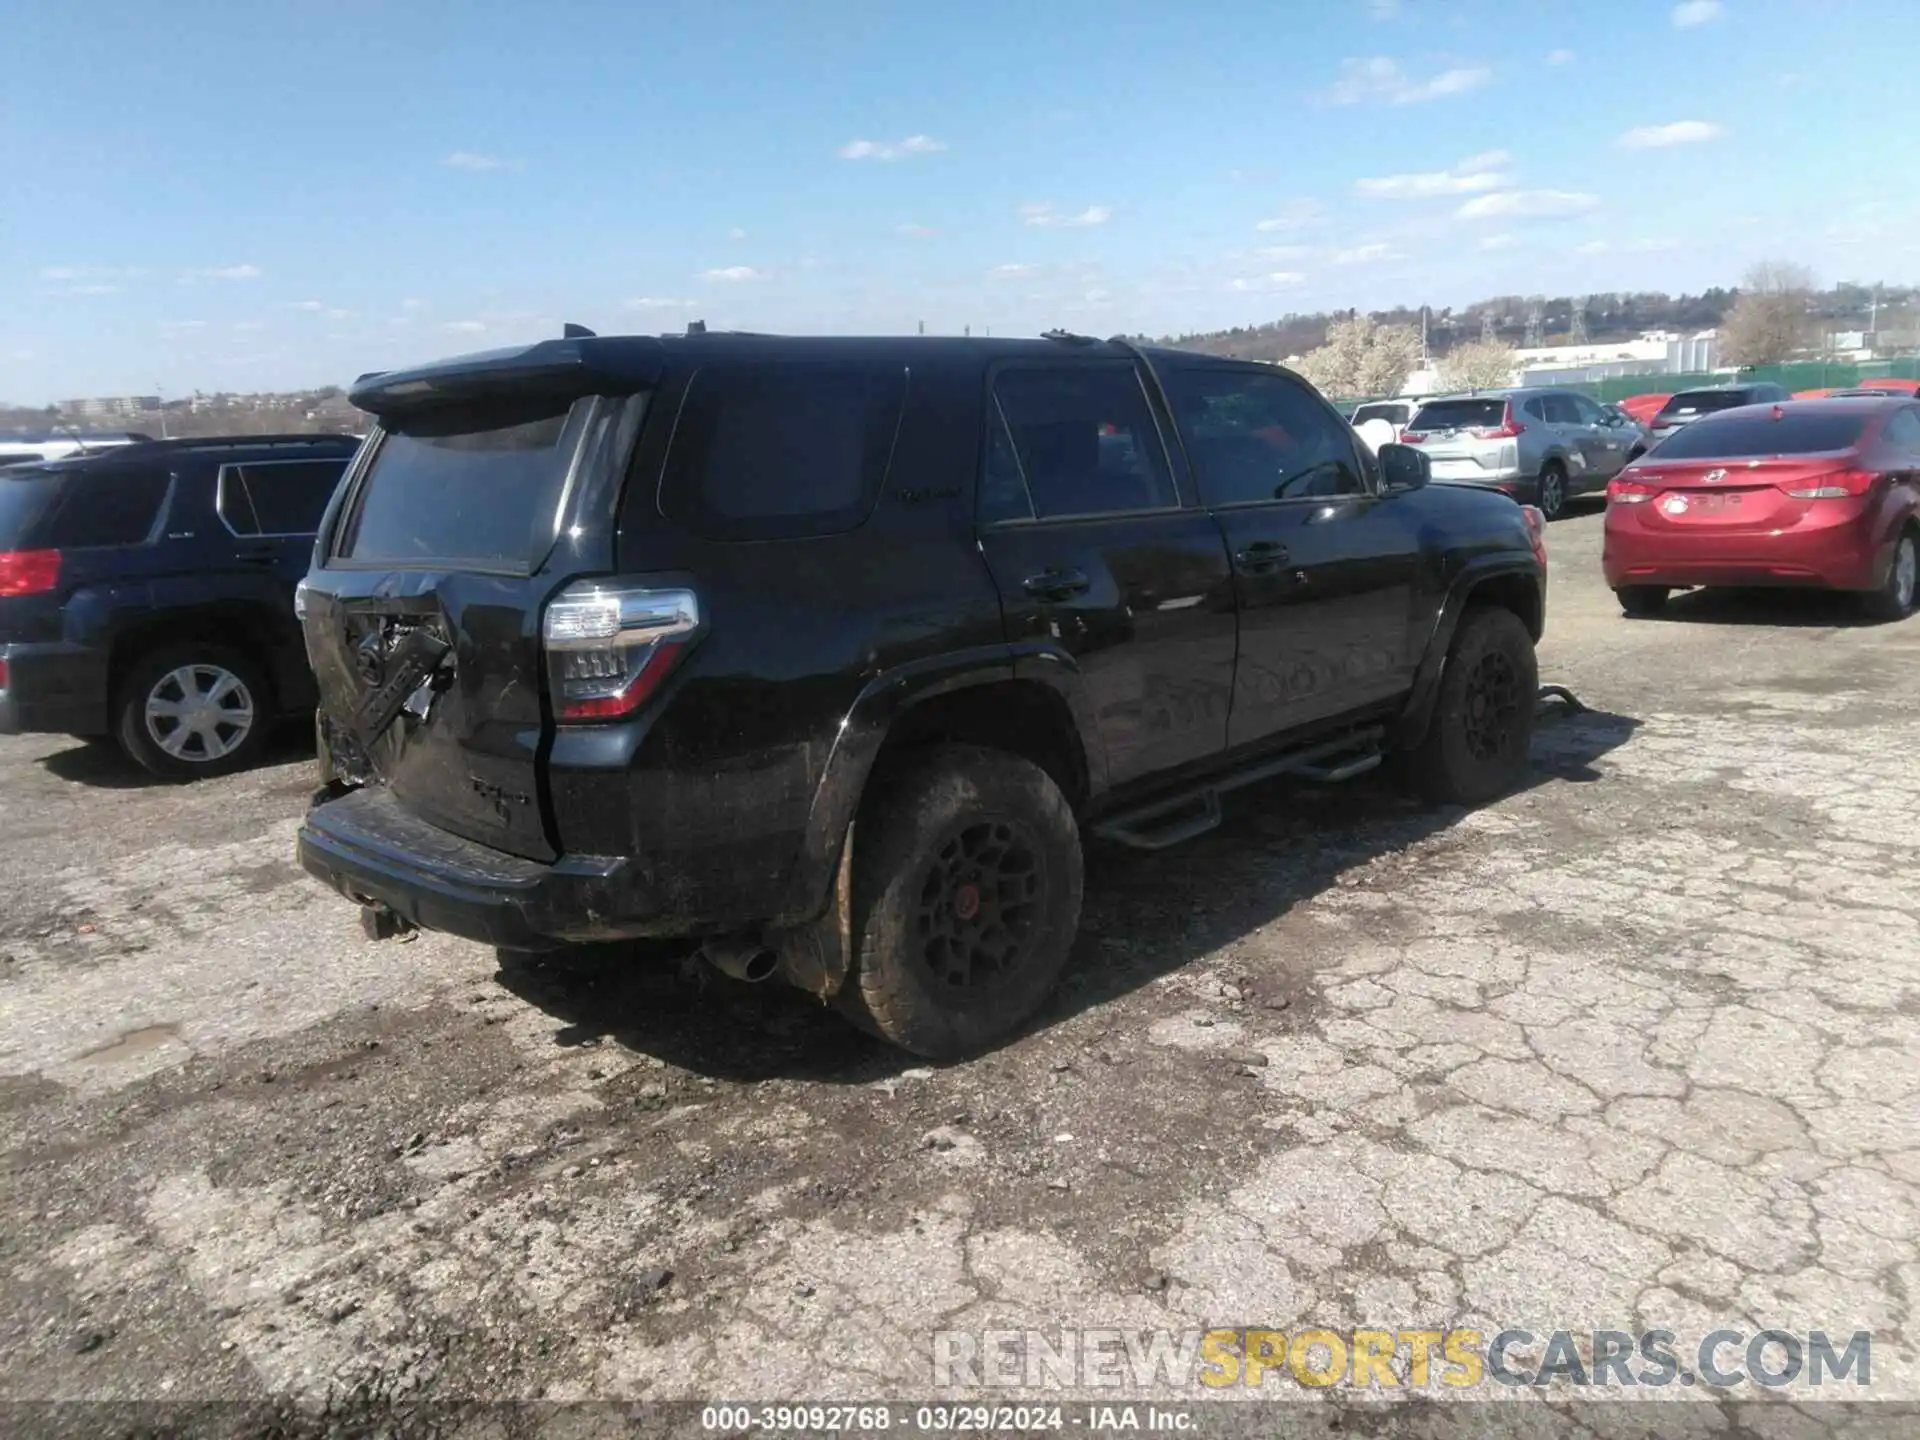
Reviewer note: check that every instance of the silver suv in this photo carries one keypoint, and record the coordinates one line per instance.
(1537, 444)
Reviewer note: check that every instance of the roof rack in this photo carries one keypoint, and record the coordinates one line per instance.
(222, 442)
(1067, 337)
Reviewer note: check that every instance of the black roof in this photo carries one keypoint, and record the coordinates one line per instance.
(616, 363)
(343, 445)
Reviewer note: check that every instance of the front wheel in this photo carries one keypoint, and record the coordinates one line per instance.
(966, 897)
(191, 711)
(1894, 600)
(1477, 743)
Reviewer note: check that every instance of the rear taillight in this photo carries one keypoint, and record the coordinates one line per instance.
(28, 572)
(1536, 519)
(1622, 491)
(1413, 437)
(1507, 429)
(609, 647)
(3, 673)
(1840, 485)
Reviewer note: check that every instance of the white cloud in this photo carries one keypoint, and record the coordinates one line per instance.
(1275, 280)
(1380, 78)
(224, 272)
(94, 288)
(658, 302)
(1294, 215)
(465, 327)
(1383, 9)
(1044, 216)
(733, 274)
(1527, 204)
(918, 232)
(247, 327)
(1665, 137)
(1365, 254)
(183, 324)
(890, 149)
(1471, 176)
(1557, 58)
(1011, 272)
(469, 160)
(1591, 247)
(305, 305)
(1498, 242)
(1689, 13)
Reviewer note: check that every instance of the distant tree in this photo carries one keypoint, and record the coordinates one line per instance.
(1361, 357)
(1477, 365)
(1771, 320)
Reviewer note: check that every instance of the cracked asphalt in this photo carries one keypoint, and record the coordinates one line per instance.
(1636, 1048)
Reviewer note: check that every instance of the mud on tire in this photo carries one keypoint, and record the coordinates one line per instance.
(1477, 742)
(966, 896)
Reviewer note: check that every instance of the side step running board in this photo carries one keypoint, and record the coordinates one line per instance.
(1177, 818)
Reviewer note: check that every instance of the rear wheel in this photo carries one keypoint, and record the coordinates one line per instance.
(193, 710)
(1551, 492)
(966, 896)
(1894, 600)
(1642, 601)
(1477, 743)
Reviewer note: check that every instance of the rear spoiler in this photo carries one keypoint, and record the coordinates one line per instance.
(616, 365)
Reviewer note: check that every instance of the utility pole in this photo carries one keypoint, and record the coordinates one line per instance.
(1535, 315)
(1577, 330)
(1487, 332)
(923, 327)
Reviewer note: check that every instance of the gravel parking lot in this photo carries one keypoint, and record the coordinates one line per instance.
(1636, 1048)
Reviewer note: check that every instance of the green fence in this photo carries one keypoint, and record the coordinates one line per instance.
(1813, 375)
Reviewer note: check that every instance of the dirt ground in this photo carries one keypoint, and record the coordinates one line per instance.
(1638, 1047)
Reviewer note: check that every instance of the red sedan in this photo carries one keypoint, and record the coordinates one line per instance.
(1806, 492)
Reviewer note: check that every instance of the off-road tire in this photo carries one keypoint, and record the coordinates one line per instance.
(1895, 598)
(130, 710)
(1477, 741)
(929, 824)
(1642, 602)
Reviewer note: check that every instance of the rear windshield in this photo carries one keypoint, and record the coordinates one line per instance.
(1739, 437)
(47, 508)
(1396, 414)
(467, 484)
(1704, 402)
(1461, 414)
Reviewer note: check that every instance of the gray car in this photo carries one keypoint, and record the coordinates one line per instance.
(1689, 405)
(1538, 444)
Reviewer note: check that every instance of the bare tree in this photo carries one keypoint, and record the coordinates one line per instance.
(1771, 321)
(1362, 358)
(1478, 365)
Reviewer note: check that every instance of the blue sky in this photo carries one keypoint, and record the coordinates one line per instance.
(266, 194)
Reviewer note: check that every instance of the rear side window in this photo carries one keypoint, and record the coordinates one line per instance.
(75, 510)
(278, 497)
(1739, 437)
(1484, 414)
(472, 484)
(1072, 440)
(768, 452)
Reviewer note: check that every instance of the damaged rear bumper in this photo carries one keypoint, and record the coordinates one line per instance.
(370, 849)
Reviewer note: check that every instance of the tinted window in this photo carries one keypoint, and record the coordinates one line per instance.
(282, 497)
(68, 509)
(1535, 409)
(1396, 413)
(1484, 414)
(467, 484)
(1585, 412)
(1083, 438)
(1259, 437)
(1904, 430)
(1702, 402)
(774, 451)
(1744, 436)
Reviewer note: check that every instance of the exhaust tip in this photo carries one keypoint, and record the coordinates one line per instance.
(742, 960)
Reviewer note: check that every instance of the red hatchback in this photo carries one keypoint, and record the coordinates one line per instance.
(1806, 492)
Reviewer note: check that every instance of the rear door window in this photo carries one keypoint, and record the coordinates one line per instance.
(1073, 440)
(277, 497)
(782, 451)
(473, 485)
(55, 509)
(1742, 437)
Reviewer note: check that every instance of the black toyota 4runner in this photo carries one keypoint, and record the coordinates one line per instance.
(827, 652)
(147, 594)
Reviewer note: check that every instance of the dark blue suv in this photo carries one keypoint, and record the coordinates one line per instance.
(147, 594)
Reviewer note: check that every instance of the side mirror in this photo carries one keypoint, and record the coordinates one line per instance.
(1404, 467)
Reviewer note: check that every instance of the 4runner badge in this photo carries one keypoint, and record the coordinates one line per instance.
(502, 799)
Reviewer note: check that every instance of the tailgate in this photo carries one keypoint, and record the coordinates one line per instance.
(423, 621)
